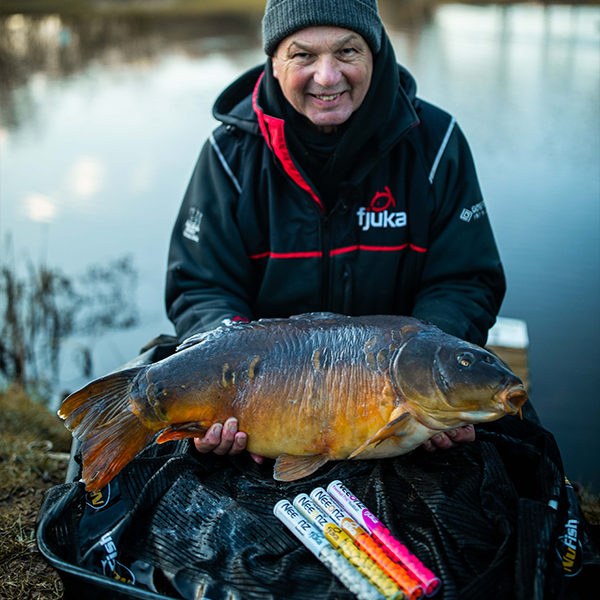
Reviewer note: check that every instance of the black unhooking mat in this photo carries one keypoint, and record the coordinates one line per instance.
(493, 519)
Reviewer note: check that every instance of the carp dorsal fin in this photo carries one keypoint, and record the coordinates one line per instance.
(392, 428)
(318, 316)
(409, 330)
(181, 431)
(290, 468)
(198, 338)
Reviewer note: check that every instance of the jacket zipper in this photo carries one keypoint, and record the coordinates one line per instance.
(325, 241)
(347, 298)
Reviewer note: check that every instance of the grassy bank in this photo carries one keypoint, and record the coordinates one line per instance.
(33, 447)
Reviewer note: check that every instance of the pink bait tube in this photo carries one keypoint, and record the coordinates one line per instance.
(396, 550)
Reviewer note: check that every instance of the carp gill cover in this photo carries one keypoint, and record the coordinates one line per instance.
(307, 390)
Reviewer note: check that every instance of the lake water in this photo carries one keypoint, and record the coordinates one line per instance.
(103, 118)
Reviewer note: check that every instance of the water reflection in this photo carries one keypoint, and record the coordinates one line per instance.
(103, 118)
(35, 48)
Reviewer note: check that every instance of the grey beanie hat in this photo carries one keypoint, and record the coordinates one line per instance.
(284, 17)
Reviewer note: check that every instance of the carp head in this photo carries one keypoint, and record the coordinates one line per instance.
(448, 382)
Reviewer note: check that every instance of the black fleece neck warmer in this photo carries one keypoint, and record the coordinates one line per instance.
(329, 158)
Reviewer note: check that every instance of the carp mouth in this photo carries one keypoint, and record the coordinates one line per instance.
(512, 398)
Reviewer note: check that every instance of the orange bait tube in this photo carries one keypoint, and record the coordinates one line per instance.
(394, 549)
(345, 546)
(367, 544)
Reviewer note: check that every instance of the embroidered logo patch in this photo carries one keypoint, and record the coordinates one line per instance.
(476, 211)
(99, 499)
(382, 200)
(191, 229)
(466, 215)
(111, 567)
(569, 548)
(377, 215)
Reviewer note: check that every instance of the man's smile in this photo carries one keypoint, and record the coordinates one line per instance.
(327, 97)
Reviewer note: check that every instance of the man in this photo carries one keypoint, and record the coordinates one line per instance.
(331, 187)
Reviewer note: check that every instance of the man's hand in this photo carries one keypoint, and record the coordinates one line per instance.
(225, 439)
(450, 438)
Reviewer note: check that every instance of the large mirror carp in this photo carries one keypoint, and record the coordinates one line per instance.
(306, 390)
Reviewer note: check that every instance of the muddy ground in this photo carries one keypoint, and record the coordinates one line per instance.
(33, 451)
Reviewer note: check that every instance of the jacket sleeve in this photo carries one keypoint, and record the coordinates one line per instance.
(209, 275)
(462, 284)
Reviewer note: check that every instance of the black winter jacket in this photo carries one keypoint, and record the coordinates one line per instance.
(409, 234)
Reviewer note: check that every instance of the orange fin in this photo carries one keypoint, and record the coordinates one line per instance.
(180, 431)
(290, 468)
(112, 435)
(97, 402)
(110, 448)
(392, 428)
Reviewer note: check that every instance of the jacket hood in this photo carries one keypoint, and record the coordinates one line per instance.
(234, 104)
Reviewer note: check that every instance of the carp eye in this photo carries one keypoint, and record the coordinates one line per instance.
(465, 359)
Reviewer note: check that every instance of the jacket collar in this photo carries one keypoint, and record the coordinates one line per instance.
(273, 131)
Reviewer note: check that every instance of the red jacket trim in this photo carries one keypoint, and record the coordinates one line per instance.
(318, 254)
(272, 130)
(376, 249)
(315, 254)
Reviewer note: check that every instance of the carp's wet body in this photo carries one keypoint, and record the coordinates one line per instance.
(306, 390)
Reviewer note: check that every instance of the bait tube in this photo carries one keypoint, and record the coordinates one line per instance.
(395, 550)
(345, 546)
(316, 542)
(367, 544)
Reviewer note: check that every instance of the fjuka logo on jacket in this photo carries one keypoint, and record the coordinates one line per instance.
(378, 215)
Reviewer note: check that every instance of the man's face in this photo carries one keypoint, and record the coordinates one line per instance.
(324, 73)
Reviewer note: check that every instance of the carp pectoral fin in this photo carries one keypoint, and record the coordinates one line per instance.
(393, 428)
(290, 468)
(181, 431)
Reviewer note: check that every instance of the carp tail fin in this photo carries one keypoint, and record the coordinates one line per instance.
(97, 402)
(100, 416)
